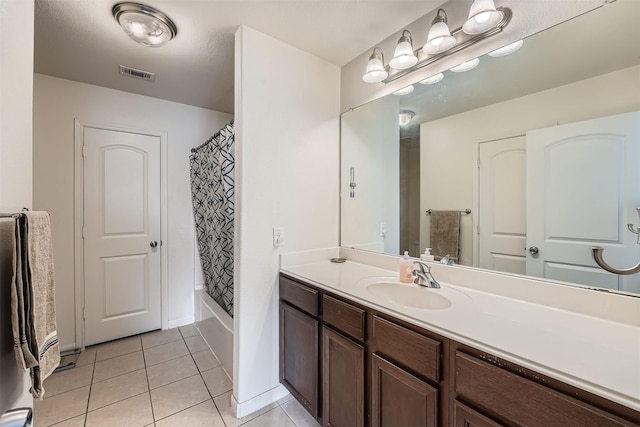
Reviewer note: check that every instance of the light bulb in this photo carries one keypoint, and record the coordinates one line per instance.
(482, 17)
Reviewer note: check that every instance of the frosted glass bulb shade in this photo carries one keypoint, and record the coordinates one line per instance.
(483, 16)
(375, 71)
(466, 66)
(404, 91)
(433, 79)
(439, 39)
(144, 24)
(507, 50)
(403, 57)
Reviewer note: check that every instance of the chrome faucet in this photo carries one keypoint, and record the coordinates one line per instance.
(423, 276)
(446, 260)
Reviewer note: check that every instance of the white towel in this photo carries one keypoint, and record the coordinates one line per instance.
(35, 335)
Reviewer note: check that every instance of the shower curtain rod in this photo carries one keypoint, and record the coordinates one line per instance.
(215, 135)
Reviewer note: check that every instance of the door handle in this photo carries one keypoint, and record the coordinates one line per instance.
(153, 244)
(533, 250)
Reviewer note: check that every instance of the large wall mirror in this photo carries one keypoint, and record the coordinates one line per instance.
(538, 151)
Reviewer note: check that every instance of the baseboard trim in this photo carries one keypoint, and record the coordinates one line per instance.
(180, 322)
(260, 401)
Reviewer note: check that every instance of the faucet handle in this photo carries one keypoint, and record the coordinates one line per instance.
(423, 266)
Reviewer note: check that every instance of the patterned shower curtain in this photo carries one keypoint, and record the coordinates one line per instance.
(212, 191)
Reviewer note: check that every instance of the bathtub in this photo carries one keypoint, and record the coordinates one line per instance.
(216, 327)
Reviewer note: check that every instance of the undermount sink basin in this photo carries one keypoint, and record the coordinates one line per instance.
(410, 295)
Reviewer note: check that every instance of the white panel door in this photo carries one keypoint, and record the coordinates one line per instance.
(121, 234)
(502, 213)
(583, 187)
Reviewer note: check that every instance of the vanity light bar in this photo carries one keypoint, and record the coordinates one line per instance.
(424, 59)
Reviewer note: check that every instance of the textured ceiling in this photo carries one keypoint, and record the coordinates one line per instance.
(79, 40)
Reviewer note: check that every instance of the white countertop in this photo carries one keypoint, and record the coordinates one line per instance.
(588, 351)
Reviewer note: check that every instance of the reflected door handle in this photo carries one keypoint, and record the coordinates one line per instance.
(153, 244)
(533, 250)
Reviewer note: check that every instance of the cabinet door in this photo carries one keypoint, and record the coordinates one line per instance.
(463, 416)
(299, 356)
(400, 399)
(342, 381)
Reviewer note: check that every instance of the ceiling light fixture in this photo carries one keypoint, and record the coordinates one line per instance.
(375, 71)
(439, 38)
(484, 21)
(403, 56)
(507, 50)
(405, 117)
(144, 24)
(433, 79)
(483, 16)
(404, 91)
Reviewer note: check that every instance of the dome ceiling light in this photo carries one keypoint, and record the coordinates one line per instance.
(405, 117)
(144, 24)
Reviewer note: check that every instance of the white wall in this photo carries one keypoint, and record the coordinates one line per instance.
(372, 148)
(287, 108)
(57, 103)
(16, 90)
(449, 146)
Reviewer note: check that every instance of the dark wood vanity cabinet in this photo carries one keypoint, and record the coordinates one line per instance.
(399, 398)
(342, 380)
(299, 337)
(403, 364)
(502, 394)
(343, 363)
(352, 366)
(374, 371)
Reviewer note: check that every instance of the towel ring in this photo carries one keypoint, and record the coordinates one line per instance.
(597, 251)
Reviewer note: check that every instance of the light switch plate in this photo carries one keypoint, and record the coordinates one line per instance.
(278, 237)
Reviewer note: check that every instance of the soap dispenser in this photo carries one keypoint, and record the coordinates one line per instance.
(427, 256)
(406, 268)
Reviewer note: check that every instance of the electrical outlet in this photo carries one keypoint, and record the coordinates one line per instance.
(383, 229)
(278, 237)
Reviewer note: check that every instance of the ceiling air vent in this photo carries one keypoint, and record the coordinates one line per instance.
(132, 72)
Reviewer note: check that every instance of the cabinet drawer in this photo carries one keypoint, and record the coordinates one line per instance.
(299, 295)
(408, 348)
(503, 395)
(344, 317)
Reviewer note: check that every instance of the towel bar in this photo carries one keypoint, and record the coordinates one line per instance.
(466, 211)
(12, 215)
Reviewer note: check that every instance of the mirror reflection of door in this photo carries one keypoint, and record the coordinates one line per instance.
(583, 187)
(501, 205)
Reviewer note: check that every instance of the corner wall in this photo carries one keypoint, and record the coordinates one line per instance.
(16, 101)
(57, 102)
(287, 105)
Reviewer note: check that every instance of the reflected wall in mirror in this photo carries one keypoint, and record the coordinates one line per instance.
(542, 145)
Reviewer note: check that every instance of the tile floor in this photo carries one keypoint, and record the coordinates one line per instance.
(162, 378)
